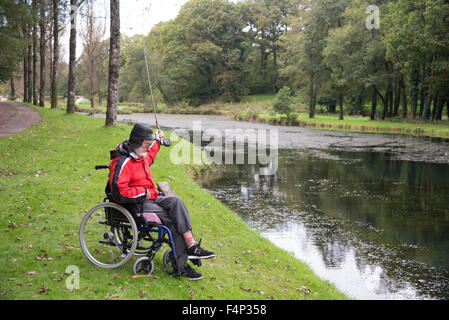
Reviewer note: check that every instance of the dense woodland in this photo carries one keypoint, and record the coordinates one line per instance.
(334, 53)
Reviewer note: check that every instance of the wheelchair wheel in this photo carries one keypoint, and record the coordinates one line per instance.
(169, 261)
(108, 235)
(143, 266)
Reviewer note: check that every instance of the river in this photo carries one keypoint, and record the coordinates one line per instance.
(368, 212)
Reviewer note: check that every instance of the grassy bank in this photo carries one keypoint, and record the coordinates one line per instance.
(438, 129)
(47, 183)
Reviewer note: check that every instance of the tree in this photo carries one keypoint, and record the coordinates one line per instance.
(200, 55)
(74, 7)
(35, 55)
(323, 15)
(42, 40)
(54, 73)
(283, 101)
(12, 17)
(355, 55)
(92, 33)
(114, 64)
(416, 39)
(268, 20)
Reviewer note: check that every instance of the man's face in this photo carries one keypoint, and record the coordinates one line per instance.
(143, 149)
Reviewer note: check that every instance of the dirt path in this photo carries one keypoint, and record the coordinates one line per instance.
(15, 118)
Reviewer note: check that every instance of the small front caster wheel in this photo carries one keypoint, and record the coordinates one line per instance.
(143, 266)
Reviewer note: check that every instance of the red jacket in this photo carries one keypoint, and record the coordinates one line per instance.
(130, 177)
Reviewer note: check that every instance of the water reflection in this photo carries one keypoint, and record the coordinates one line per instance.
(376, 227)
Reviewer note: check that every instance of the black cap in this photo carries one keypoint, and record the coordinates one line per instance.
(139, 133)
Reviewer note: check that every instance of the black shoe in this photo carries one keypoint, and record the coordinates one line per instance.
(196, 262)
(196, 252)
(191, 274)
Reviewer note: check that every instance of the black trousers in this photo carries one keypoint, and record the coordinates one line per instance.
(174, 215)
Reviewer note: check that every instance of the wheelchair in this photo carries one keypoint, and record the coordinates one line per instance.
(110, 237)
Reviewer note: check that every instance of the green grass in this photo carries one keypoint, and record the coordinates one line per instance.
(353, 123)
(262, 111)
(47, 183)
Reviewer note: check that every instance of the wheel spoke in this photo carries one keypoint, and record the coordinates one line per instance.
(108, 235)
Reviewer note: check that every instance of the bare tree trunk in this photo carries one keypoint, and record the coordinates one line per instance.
(403, 94)
(42, 54)
(414, 91)
(383, 99)
(25, 76)
(389, 99)
(340, 99)
(441, 102)
(72, 59)
(430, 94)
(114, 64)
(397, 95)
(373, 105)
(12, 93)
(54, 75)
(25, 35)
(34, 6)
(447, 108)
(30, 73)
(311, 96)
(424, 91)
(276, 71)
(427, 106)
(435, 106)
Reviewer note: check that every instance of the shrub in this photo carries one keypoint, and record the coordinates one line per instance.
(283, 101)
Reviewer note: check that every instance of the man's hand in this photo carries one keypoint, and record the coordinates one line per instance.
(159, 135)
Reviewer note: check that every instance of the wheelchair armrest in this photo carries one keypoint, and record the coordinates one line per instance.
(166, 189)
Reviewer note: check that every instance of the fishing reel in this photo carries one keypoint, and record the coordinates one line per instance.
(166, 142)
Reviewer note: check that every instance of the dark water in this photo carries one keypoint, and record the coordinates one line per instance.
(376, 227)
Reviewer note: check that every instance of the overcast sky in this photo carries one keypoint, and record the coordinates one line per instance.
(136, 17)
(139, 16)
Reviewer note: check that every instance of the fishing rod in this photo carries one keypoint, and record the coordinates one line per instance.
(165, 142)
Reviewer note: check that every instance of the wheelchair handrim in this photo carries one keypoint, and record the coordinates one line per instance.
(130, 251)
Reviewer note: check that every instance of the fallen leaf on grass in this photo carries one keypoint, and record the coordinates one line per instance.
(142, 293)
(32, 272)
(191, 292)
(304, 288)
(43, 290)
(111, 296)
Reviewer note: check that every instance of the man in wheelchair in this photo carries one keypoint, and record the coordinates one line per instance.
(131, 184)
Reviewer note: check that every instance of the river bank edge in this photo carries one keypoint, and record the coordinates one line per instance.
(321, 121)
(41, 189)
